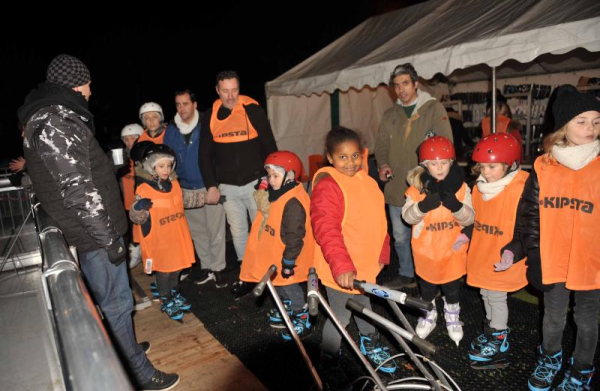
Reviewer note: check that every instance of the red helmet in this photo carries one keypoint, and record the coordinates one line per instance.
(498, 148)
(436, 148)
(286, 159)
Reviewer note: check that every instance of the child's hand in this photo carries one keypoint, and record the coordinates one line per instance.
(460, 240)
(505, 262)
(287, 267)
(431, 201)
(143, 204)
(452, 203)
(346, 280)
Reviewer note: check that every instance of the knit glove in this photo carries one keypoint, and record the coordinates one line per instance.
(460, 240)
(287, 267)
(143, 204)
(431, 201)
(505, 262)
(116, 252)
(193, 199)
(452, 203)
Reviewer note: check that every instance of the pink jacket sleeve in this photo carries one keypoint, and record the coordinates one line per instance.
(326, 213)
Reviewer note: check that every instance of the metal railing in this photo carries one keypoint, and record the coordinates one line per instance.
(88, 358)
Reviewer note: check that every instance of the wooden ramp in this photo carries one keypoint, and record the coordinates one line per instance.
(189, 350)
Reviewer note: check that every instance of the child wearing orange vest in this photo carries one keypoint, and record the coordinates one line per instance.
(350, 227)
(281, 235)
(166, 242)
(438, 204)
(493, 262)
(561, 217)
(129, 135)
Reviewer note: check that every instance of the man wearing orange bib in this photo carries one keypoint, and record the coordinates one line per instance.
(236, 139)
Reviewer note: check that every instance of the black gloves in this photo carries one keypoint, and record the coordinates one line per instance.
(287, 267)
(143, 204)
(430, 183)
(452, 203)
(431, 201)
(116, 252)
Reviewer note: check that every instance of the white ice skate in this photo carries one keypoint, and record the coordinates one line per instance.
(427, 324)
(453, 323)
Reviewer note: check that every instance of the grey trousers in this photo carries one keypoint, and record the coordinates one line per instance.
(332, 339)
(207, 227)
(496, 308)
(293, 293)
(587, 304)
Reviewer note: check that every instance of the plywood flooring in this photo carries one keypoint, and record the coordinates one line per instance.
(189, 350)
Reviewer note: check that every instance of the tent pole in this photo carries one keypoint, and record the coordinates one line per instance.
(334, 101)
(493, 100)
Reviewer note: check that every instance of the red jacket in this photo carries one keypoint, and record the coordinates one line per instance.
(327, 227)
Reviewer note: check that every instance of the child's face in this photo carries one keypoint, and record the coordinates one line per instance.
(152, 120)
(275, 178)
(492, 172)
(129, 140)
(583, 129)
(163, 168)
(438, 168)
(346, 158)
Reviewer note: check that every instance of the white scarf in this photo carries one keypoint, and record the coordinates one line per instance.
(186, 128)
(578, 156)
(491, 190)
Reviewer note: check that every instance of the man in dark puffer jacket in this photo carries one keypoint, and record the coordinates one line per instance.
(73, 179)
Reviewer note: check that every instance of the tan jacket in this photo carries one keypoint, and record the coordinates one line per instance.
(400, 136)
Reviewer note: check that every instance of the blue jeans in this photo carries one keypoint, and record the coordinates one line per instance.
(239, 205)
(402, 236)
(109, 286)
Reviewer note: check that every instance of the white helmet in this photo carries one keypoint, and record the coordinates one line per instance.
(132, 130)
(151, 107)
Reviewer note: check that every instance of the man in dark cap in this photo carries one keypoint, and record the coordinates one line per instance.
(73, 179)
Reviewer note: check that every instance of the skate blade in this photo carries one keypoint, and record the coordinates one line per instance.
(488, 365)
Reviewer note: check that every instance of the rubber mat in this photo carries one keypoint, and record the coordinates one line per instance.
(242, 327)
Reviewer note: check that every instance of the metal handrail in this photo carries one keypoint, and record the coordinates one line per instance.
(88, 358)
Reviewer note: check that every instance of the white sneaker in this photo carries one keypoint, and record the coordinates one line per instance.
(427, 324)
(453, 323)
(135, 255)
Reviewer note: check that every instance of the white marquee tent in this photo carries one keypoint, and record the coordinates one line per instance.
(461, 39)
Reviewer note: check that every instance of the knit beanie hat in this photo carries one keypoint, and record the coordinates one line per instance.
(570, 103)
(67, 71)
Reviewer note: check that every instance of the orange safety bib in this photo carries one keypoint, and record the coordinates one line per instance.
(364, 227)
(494, 227)
(267, 250)
(235, 128)
(156, 140)
(129, 187)
(569, 221)
(169, 243)
(435, 260)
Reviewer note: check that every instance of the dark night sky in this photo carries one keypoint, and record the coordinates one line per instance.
(150, 54)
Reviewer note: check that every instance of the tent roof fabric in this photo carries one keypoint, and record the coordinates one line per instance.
(444, 36)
